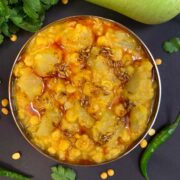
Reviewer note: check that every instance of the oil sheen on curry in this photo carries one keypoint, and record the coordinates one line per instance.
(84, 90)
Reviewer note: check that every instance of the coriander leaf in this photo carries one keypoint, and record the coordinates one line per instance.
(173, 45)
(62, 173)
(35, 4)
(55, 176)
(54, 169)
(29, 26)
(26, 23)
(5, 29)
(17, 15)
(1, 38)
(48, 3)
(13, 28)
(29, 11)
(2, 20)
(33, 8)
(53, 2)
(13, 1)
(16, 20)
(61, 170)
(70, 174)
(3, 8)
(23, 14)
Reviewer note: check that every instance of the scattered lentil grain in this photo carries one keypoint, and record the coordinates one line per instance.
(110, 172)
(16, 156)
(5, 111)
(4, 102)
(13, 38)
(158, 61)
(143, 143)
(65, 1)
(103, 175)
(152, 132)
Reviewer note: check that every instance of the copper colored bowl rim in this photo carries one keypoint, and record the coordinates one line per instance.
(155, 107)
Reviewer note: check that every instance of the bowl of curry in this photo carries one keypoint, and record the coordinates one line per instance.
(84, 90)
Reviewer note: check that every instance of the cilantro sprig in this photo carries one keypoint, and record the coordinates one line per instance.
(172, 45)
(62, 173)
(22, 14)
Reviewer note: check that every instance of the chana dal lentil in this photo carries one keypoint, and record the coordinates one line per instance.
(110, 172)
(16, 156)
(83, 90)
(4, 102)
(5, 111)
(144, 143)
(13, 38)
(104, 175)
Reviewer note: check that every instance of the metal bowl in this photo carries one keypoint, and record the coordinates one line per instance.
(154, 110)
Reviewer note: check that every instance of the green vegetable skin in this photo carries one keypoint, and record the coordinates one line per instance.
(159, 139)
(145, 11)
(13, 175)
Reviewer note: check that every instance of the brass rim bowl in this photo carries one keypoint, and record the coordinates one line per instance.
(154, 110)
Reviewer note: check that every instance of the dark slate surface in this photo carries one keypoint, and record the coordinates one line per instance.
(164, 164)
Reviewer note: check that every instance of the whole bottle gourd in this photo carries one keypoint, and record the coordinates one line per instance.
(145, 11)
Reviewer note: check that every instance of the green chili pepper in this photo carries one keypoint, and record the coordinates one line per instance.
(159, 139)
(13, 175)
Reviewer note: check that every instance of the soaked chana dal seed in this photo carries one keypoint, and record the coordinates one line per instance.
(16, 156)
(13, 38)
(110, 172)
(103, 175)
(5, 102)
(5, 111)
(158, 61)
(152, 132)
(143, 143)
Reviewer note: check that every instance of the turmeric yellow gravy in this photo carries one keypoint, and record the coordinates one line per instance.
(84, 90)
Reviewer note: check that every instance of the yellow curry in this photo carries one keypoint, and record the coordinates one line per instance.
(84, 90)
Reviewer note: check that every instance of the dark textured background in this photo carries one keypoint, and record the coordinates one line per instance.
(164, 164)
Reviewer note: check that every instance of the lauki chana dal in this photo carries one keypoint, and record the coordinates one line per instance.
(84, 90)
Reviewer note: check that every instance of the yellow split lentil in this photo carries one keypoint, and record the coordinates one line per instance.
(5, 102)
(152, 132)
(16, 156)
(158, 61)
(13, 38)
(103, 175)
(110, 172)
(143, 143)
(65, 1)
(5, 111)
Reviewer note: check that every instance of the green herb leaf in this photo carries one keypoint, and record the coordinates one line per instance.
(29, 26)
(32, 8)
(53, 2)
(5, 29)
(23, 14)
(3, 8)
(13, 28)
(48, 3)
(1, 38)
(171, 46)
(13, 1)
(62, 173)
(71, 174)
